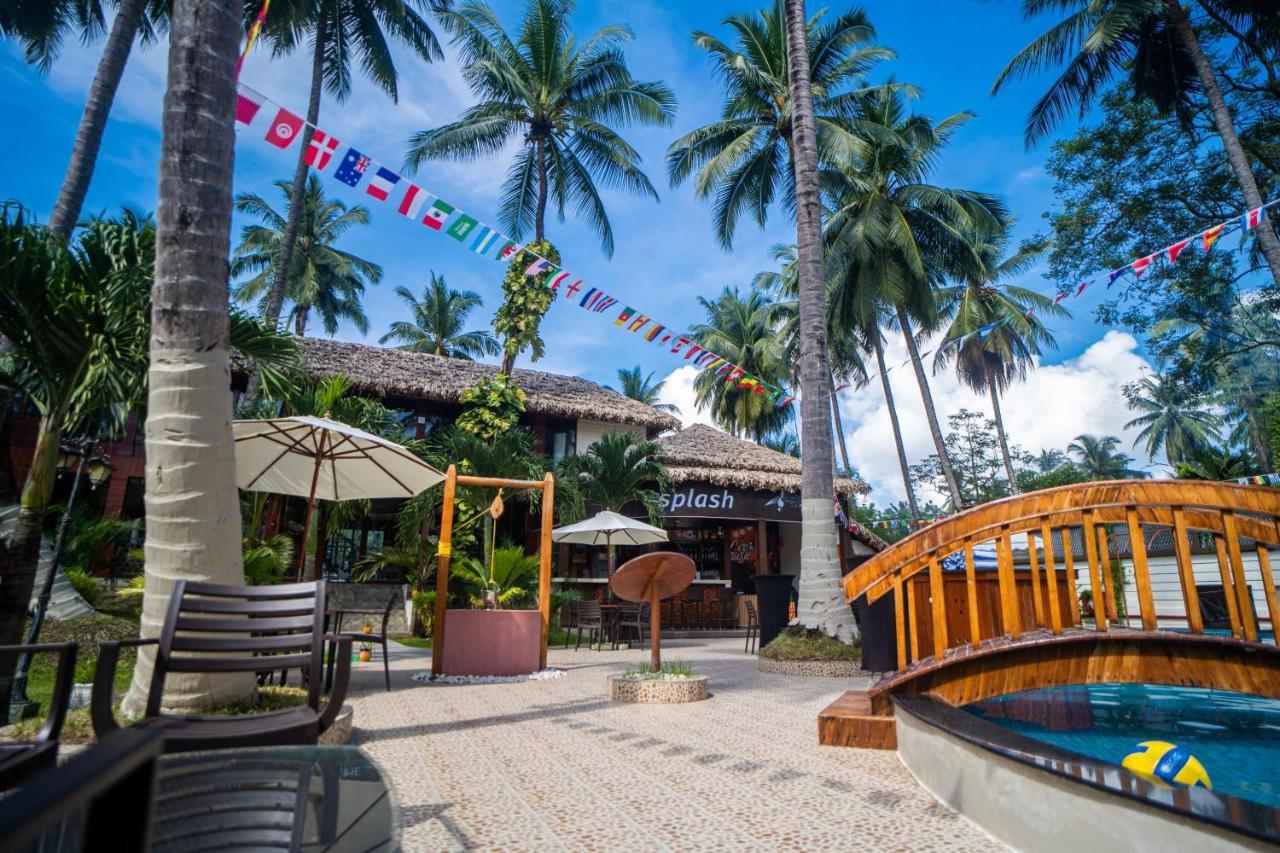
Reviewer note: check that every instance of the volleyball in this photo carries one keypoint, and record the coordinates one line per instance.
(1167, 763)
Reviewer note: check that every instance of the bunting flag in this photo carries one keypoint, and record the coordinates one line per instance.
(1080, 289)
(381, 184)
(538, 267)
(1260, 480)
(557, 280)
(638, 323)
(1176, 249)
(438, 213)
(654, 332)
(320, 150)
(1252, 219)
(486, 239)
(414, 198)
(1211, 236)
(1141, 265)
(625, 316)
(252, 35)
(1113, 275)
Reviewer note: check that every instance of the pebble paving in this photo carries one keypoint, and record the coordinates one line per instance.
(553, 765)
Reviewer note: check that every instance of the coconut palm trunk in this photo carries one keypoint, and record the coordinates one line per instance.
(821, 604)
(1226, 131)
(930, 413)
(897, 430)
(1004, 439)
(280, 283)
(193, 511)
(835, 417)
(93, 121)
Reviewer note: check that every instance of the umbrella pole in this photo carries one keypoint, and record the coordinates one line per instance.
(655, 628)
(306, 522)
(608, 549)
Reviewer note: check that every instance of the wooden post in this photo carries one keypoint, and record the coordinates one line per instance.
(1008, 582)
(1269, 586)
(544, 565)
(1051, 578)
(1069, 568)
(1037, 599)
(1245, 601)
(1228, 592)
(899, 620)
(971, 591)
(655, 627)
(1141, 573)
(939, 607)
(1095, 578)
(444, 552)
(1109, 579)
(1186, 572)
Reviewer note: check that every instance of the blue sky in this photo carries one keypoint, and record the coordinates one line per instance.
(666, 255)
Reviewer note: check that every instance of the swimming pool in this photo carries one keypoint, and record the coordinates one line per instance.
(1236, 736)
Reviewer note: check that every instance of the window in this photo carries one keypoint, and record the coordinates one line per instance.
(560, 442)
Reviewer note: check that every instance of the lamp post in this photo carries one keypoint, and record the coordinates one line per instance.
(98, 470)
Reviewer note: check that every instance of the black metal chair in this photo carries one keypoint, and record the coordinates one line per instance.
(727, 604)
(379, 637)
(568, 619)
(693, 615)
(590, 617)
(101, 799)
(631, 622)
(18, 759)
(753, 627)
(255, 629)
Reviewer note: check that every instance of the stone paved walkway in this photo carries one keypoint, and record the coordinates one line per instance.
(552, 765)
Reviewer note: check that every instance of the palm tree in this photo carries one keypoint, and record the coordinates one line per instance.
(821, 605)
(643, 388)
(1210, 462)
(1156, 44)
(341, 32)
(75, 317)
(743, 160)
(1172, 418)
(193, 509)
(438, 321)
(992, 360)
(619, 470)
(892, 236)
(744, 331)
(1099, 458)
(324, 277)
(41, 26)
(1049, 459)
(785, 441)
(559, 96)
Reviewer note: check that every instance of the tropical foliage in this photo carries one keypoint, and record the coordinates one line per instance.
(437, 322)
(620, 469)
(1100, 459)
(1172, 419)
(634, 384)
(525, 299)
(511, 574)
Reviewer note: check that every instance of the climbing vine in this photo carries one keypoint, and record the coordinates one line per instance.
(493, 407)
(525, 299)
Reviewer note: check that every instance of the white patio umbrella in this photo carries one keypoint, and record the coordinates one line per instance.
(603, 527)
(320, 458)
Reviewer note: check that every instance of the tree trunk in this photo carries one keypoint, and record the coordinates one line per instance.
(193, 511)
(1004, 440)
(821, 605)
(1236, 156)
(297, 191)
(1256, 437)
(300, 320)
(835, 415)
(93, 121)
(948, 473)
(23, 554)
(897, 430)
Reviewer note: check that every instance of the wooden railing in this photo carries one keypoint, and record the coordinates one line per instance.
(1236, 519)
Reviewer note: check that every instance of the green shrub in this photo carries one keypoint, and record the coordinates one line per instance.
(801, 644)
(85, 585)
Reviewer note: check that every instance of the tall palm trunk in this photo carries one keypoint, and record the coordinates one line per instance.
(1226, 131)
(930, 413)
(1004, 438)
(23, 553)
(1256, 436)
(835, 416)
(897, 430)
(93, 121)
(193, 511)
(300, 321)
(821, 604)
(297, 191)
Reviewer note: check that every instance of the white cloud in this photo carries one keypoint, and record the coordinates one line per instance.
(1055, 404)
(678, 390)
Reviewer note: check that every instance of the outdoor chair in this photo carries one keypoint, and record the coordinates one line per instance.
(693, 615)
(568, 620)
(753, 627)
(631, 622)
(18, 759)
(256, 629)
(378, 637)
(589, 617)
(727, 618)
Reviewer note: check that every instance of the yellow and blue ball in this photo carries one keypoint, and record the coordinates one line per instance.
(1167, 763)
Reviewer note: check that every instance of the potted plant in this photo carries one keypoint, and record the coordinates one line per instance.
(1086, 603)
(366, 652)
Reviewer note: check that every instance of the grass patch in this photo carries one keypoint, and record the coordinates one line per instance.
(675, 670)
(413, 642)
(800, 644)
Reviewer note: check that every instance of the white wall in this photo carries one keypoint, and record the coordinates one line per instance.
(1167, 590)
(589, 432)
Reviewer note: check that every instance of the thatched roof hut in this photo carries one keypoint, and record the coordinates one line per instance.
(391, 372)
(707, 455)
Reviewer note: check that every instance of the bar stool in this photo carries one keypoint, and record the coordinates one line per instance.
(693, 607)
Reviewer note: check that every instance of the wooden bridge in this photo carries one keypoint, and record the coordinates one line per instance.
(964, 634)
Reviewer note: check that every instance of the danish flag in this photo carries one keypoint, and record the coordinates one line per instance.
(321, 150)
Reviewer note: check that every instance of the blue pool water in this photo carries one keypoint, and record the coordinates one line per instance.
(1236, 736)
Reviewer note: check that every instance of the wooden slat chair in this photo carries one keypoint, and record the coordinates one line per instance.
(19, 759)
(215, 628)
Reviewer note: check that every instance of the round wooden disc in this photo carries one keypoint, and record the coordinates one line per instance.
(664, 571)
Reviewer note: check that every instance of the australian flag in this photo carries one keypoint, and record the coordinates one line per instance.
(352, 167)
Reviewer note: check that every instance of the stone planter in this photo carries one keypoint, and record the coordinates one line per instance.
(819, 668)
(665, 692)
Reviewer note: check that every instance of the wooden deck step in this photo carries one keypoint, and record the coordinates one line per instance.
(849, 721)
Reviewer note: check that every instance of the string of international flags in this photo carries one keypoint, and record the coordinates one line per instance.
(1206, 239)
(356, 169)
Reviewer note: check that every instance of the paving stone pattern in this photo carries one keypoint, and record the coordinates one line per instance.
(553, 765)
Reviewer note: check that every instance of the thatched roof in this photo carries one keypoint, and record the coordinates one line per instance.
(709, 455)
(393, 372)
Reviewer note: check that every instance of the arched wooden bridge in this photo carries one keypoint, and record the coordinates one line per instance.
(966, 634)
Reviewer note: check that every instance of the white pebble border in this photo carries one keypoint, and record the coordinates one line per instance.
(540, 675)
